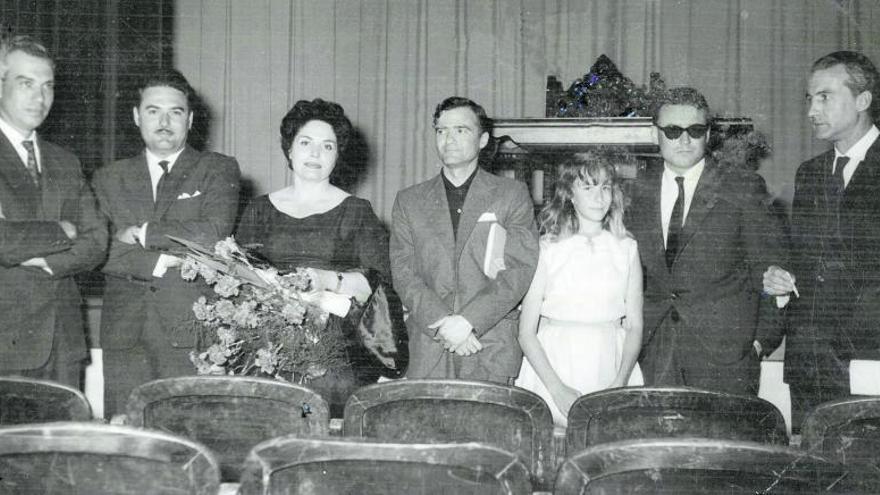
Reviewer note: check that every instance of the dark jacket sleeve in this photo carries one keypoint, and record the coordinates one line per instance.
(26, 239)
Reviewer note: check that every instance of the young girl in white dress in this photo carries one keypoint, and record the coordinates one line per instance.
(581, 322)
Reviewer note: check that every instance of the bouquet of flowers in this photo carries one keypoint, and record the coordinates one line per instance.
(262, 322)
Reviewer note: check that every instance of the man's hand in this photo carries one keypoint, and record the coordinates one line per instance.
(38, 263)
(452, 331)
(128, 235)
(471, 345)
(778, 282)
(68, 228)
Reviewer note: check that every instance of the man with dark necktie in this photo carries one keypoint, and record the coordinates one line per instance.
(832, 288)
(168, 189)
(705, 236)
(49, 227)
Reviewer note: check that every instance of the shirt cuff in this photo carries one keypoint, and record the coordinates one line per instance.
(142, 235)
(161, 266)
(782, 301)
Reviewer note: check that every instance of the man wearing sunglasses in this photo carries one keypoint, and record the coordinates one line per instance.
(705, 236)
(832, 288)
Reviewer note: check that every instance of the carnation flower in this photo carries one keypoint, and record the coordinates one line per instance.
(246, 316)
(205, 367)
(227, 336)
(210, 275)
(189, 269)
(217, 354)
(227, 249)
(225, 309)
(267, 360)
(315, 371)
(293, 312)
(226, 286)
(202, 310)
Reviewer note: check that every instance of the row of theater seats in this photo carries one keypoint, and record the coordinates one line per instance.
(188, 434)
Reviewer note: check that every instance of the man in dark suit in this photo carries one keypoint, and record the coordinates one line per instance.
(834, 277)
(462, 322)
(169, 189)
(49, 227)
(705, 236)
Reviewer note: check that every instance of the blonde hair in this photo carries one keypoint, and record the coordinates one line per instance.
(558, 219)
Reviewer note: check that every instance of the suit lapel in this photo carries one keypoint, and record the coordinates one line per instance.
(705, 197)
(51, 182)
(13, 172)
(863, 183)
(656, 248)
(172, 186)
(137, 190)
(439, 214)
(477, 202)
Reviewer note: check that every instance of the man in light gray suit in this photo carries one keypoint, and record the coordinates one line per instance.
(462, 321)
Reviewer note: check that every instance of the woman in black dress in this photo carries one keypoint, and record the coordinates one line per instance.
(313, 223)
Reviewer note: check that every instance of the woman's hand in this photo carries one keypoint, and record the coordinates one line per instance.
(351, 284)
(564, 397)
(322, 279)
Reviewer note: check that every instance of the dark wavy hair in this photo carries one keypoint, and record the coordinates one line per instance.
(458, 102)
(167, 77)
(682, 96)
(558, 219)
(305, 111)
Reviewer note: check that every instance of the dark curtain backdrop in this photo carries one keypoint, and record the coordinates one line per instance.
(389, 62)
(100, 48)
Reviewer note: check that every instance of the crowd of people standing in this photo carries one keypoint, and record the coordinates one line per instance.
(690, 281)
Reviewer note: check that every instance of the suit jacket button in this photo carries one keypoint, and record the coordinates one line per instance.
(674, 316)
(820, 278)
(153, 289)
(673, 296)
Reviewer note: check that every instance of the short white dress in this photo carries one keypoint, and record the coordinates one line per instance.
(584, 303)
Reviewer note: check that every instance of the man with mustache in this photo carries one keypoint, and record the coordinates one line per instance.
(705, 236)
(832, 288)
(168, 189)
(49, 226)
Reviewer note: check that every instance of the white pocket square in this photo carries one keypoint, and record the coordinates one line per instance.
(487, 217)
(189, 196)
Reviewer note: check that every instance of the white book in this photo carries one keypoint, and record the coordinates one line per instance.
(493, 261)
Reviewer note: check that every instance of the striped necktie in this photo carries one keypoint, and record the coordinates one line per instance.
(31, 164)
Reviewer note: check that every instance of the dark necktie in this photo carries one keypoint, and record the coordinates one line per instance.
(675, 224)
(31, 164)
(835, 182)
(834, 189)
(162, 178)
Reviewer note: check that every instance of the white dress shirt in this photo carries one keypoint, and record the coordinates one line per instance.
(156, 174)
(669, 193)
(15, 137)
(856, 153)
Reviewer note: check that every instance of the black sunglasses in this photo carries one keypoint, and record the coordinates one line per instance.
(695, 131)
